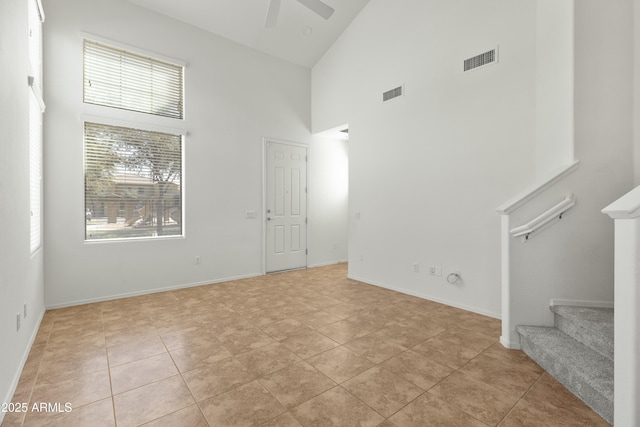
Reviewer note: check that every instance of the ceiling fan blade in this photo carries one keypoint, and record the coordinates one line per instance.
(319, 7)
(272, 14)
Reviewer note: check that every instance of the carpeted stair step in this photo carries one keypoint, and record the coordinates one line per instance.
(582, 370)
(592, 326)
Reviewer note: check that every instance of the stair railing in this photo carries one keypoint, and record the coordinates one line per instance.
(544, 220)
(626, 214)
(523, 210)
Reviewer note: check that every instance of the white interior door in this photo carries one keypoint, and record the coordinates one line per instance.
(286, 204)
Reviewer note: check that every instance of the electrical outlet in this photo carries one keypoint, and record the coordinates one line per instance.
(416, 267)
(432, 271)
(17, 322)
(196, 260)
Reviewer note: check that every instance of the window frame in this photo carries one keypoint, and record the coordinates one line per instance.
(37, 107)
(114, 116)
(139, 54)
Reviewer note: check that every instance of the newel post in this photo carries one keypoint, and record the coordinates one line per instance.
(626, 214)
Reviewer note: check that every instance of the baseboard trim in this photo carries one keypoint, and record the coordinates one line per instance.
(149, 291)
(427, 297)
(581, 303)
(506, 343)
(325, 264)
(18, 374)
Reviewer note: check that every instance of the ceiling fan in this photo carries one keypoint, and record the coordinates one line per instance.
(316, 6)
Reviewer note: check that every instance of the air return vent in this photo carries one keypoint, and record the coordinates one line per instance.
(481, 60)
(393, 93)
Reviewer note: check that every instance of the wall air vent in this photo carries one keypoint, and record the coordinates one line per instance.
(393, 93)
(481, 60)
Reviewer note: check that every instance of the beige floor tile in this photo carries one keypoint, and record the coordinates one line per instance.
(285, 328)
(247, 340)
(406, 336)
(247, 405)
(336, 408)
(131, 334)
(72, 344)
(417, 369)
(382, 390)
(190, 416)
(216, 378)
(343, 331)
(59, 367)
(526, 414)
(76, 390)
(284, 420)
(551, 397)
(509, 377)
(96, 414)
(497, 351)
(175, 339)
(472, 339)
(428, 410)
(483, 325)
(229, 326)
(141, 372)
(344, 310)
(131, 351)
(152, 401)
(417, 344)
(375, 348)
(340, 364)
(317, 319)
(474, 397)
(451, 353)
(320, 301)
(296, 384)
(309, 344)
(268, 359)
(369, 321)
(199, 355)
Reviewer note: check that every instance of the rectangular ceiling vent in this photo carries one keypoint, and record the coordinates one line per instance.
(481, 60)
(393, 93)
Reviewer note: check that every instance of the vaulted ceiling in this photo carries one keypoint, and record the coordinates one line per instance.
(300, 35)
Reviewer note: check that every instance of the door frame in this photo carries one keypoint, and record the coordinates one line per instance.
(265, 141)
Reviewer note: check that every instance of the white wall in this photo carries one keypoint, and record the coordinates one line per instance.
(554, 85)
(20, 273)
(235, 96)
(427, 170)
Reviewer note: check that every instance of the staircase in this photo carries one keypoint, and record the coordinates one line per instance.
(578, 352)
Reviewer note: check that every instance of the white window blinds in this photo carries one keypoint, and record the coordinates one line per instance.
(133, 182)
(36, 108)
(118, 78)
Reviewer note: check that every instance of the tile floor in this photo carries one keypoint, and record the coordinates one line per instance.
(302, 348)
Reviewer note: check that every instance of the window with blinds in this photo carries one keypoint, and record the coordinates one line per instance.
(118, 78)
(133, 183)
(36, 110)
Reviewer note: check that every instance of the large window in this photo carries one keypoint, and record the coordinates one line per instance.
(132, 172)
(36, 108)
(133, 182)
